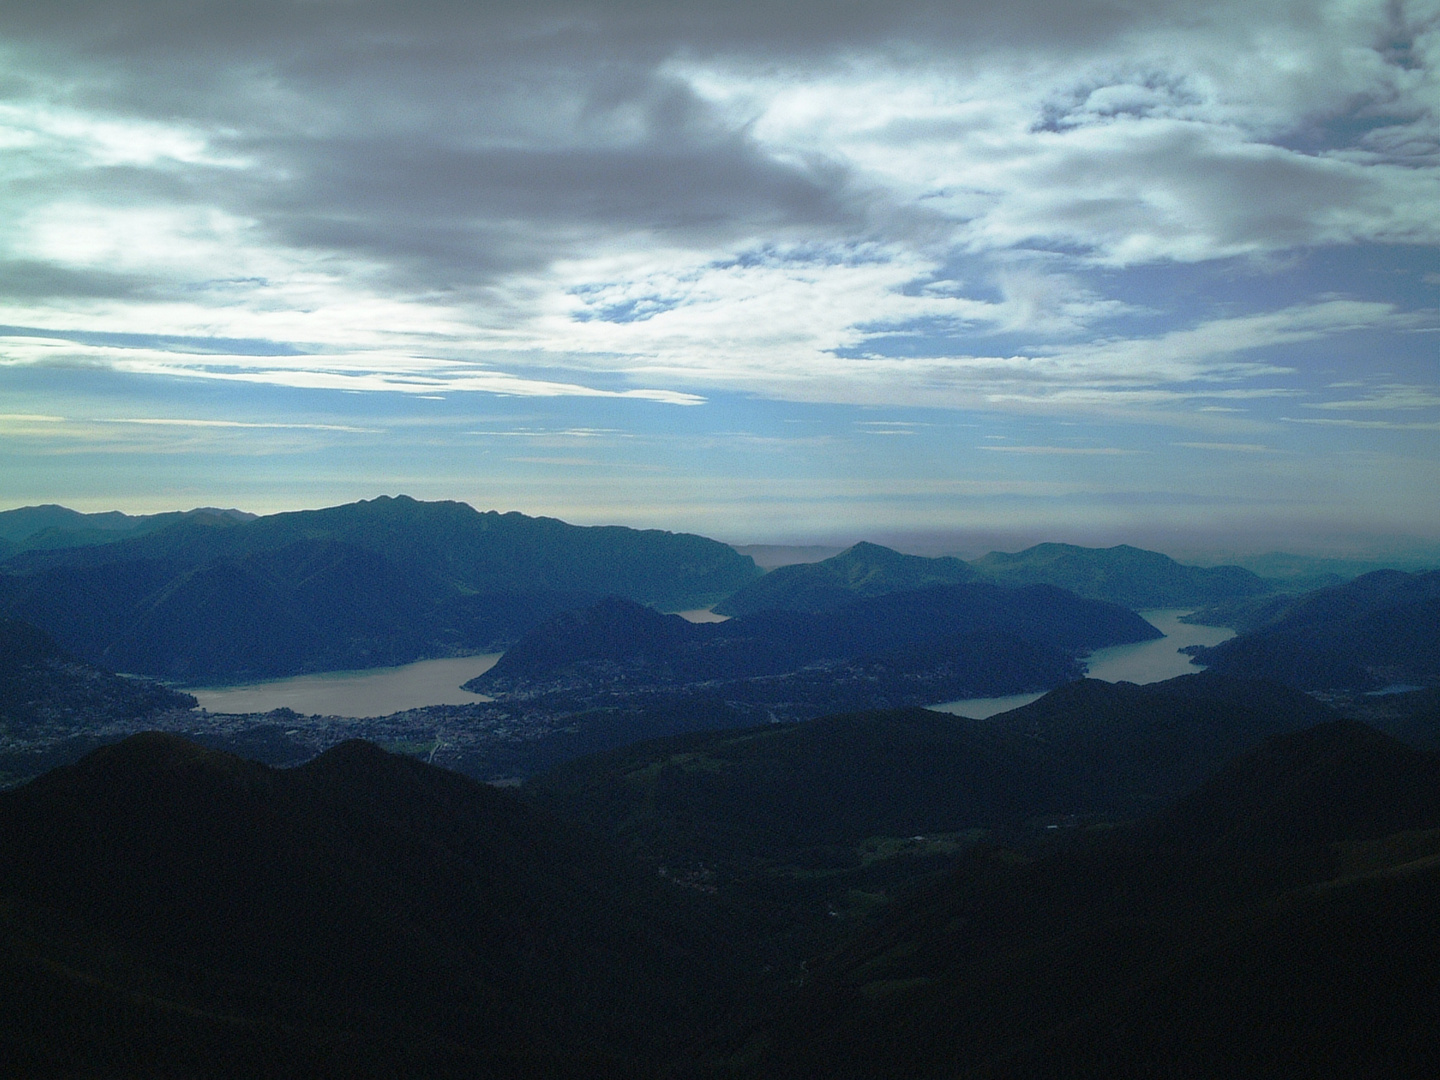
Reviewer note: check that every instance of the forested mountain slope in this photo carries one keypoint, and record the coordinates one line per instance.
(366, 584)
(1123, 574)
(1279, 922)
(1379, 629)
(364, 914)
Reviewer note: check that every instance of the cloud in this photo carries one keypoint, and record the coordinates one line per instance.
(1104, 451)
(173, 422)
(1393, 396)
(1372, 425)
(1229, 448)
(636, 200)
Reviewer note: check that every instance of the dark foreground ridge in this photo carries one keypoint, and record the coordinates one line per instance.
(364, 914)
(176, 912)
(828, 817)
(1283, 921)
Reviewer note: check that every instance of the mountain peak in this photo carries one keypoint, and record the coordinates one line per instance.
(860, 571)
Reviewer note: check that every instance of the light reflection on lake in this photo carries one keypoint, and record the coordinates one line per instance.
(373, 692)
(1146, 662)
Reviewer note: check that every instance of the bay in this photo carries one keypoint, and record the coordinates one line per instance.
(1145, 662)
(371, 692)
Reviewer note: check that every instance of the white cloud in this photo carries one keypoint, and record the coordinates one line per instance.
(1393, 396)
(742, 199)
(1229, 448)
(1103, 451)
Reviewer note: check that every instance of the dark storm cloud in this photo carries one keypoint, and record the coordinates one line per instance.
(482, 136)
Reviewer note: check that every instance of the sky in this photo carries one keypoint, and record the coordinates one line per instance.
(953, 275)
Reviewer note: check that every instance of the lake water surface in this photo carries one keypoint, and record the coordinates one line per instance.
(373, 692)
(1147, 662)
(381, 691)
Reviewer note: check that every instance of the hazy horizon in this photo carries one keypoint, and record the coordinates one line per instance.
(976, 543)
(949, 277)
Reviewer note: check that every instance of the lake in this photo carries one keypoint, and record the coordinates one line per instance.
(372, 692)
(381, 691)
(1146, 662)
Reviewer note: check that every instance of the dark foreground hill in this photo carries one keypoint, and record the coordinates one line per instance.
(173, 911)
(814, 810)
(213, 598)
(859, 571)
(1123, 575)
(1280, 922)
(1379, 629)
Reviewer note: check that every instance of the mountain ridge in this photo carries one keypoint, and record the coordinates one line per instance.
(1381, 628)
(363, 895)
(392, 580)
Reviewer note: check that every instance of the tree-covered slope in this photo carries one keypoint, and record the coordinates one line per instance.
(917, 631)
(43, 688)
(1123, 575)
(1381, 628)
(364, 914)
(859, 571)
(1087, 748)
(371, 583)
(1279, 922)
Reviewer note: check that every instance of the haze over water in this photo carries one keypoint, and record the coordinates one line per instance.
(1146, 662)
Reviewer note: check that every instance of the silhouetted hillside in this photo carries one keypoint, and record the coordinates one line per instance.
(367, 584)
(1412, 717)
(42, 687)
(1379, 629)
(1089, 747)
(1123, 575)
(1274, 924)
(827, 817)
(48, 527)
(964, 630)
(737, 796)
(860, 571)
(364, 914)
(1337, 781)
(1120, 746)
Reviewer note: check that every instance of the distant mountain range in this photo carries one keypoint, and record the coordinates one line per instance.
(212, 597)
(47, 528)
(1382, 628)
(1123, 575)
(861, 571)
